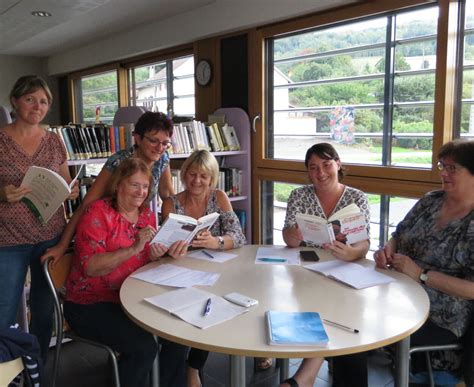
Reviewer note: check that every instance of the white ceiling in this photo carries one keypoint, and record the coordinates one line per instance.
(77, 23)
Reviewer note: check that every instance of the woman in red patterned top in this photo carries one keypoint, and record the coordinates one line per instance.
(23, 238)
(111, 242)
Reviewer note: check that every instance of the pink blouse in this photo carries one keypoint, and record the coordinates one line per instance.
(102, 229)
(18, 225)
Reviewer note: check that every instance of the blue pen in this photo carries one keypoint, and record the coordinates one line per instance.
(207, 309)
(277, 260)
(208, 254)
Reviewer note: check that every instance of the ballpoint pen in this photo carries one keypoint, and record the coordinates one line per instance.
(340, 326)
(278, 260)
(207, 308)
(208, 254)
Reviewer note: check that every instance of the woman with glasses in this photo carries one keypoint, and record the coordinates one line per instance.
(434, 245)
(152, 136)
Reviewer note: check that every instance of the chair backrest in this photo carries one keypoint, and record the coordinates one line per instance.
(60, 270)
(5, 117)
(128, 115)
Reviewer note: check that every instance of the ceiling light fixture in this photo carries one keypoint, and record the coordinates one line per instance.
(41, 13)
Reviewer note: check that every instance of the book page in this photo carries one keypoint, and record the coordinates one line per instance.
(315, 229)
(49, 191)
(181, 298)
(352, 228)
(352, 274)
(177, 276)
(175, 228)
(347, 210)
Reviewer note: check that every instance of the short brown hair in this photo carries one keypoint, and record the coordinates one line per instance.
(151, 121)
(29, 84)
(325, 151)
(126, 169)
(461, 151)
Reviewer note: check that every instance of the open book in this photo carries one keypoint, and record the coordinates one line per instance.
(182, 228)
(48, 191)
(295, 328)
(346, 225)
(352, 274)
(191, 304)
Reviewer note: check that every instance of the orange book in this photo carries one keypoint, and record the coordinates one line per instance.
(123, 141)
(112, 139)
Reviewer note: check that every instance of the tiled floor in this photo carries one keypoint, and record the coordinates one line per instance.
(83, 365)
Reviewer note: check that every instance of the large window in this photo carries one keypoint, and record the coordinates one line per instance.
(96, 97)
(466, 123)
(365, 86)
(166, 86)
(385, 213)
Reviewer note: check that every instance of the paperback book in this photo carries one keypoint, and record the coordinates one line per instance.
(295, 328)
(182, 228)
(48, 191)
(346, 225)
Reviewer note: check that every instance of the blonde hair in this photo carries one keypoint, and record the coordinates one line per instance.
(126, 169)
(202, 160)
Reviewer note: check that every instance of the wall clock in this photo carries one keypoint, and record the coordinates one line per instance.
(203, 72)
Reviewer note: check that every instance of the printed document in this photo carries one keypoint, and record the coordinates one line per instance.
(177, 276)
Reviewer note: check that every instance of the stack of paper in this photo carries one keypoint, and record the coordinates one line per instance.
(190, 304)
(351, 274)
(177, 276)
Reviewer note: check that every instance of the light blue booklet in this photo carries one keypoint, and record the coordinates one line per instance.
(295, 328)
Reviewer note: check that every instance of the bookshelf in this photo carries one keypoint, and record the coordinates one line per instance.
(240, 159)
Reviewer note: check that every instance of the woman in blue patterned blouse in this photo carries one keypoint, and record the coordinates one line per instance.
(434, 245)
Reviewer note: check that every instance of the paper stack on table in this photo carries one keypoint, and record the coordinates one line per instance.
(177, 276)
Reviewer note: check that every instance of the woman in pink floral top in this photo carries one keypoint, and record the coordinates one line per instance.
(112, 241)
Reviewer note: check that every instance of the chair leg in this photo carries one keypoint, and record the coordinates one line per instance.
(429, 369)
(115, 370)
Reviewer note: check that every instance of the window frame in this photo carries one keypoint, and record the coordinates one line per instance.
(388, 180)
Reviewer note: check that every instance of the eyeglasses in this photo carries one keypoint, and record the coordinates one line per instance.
(155, 142)
(450, 168)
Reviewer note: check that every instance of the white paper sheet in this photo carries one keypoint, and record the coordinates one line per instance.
(277, 255)
(217, 256)
(177, 276)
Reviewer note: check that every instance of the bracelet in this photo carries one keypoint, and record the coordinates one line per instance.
(220, 243)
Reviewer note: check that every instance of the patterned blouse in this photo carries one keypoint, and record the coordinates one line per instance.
(102, 229)
(303, 200)
(158, 168)
(449, 250)
(226, 224)
(18, 225)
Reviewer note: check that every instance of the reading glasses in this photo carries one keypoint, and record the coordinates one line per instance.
(450, 168)
(156, 142)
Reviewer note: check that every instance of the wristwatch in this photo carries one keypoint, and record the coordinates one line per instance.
(220, 242)
(424, 276)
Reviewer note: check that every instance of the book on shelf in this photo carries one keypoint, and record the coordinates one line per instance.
(347, 225)
(181, 227)
(48, 191)
(295, 328)
(351, 274)
(190, 304)
(230, 137)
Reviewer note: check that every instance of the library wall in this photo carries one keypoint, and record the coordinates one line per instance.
(12, 67)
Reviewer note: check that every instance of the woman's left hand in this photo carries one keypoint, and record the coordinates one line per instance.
(74, 191)
(341, 251)
(404, 264)
(205, 240)
(178, 249)
(157, 250)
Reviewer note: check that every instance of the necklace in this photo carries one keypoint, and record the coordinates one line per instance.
(131, 216)
(202, 212)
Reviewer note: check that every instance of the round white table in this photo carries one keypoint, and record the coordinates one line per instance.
(383, 314)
